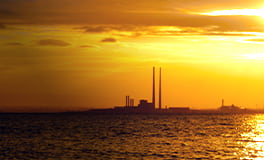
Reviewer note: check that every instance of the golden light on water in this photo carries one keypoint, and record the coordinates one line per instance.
(253, 140)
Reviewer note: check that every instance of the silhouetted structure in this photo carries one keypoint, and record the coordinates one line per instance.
(230, 109)
(127, 101)
(153, 88)
(144, 106)
(180, 109)
(160, 90)
(149, 107)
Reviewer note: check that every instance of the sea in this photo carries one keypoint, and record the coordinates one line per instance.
(140, 136)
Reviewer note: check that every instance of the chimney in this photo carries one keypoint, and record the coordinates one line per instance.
(223, 102)
(153, 88)
(128, 103)
(160, 90)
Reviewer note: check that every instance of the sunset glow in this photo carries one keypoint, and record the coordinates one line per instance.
(76, 55)
(240, 12)
(254, 56)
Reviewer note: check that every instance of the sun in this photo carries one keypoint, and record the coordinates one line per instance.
(245, 12)
(254, 56)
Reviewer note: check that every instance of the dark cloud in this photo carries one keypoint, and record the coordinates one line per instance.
(119, 12)
(96, 29)
(111, 40)
(108, 6)
(88, 46)
(136, 30)
(52, 42)
(111, 28)
(5, 12)
(2, 26)
(14, 44)
(138, 23)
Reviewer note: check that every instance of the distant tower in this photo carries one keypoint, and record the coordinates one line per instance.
(153, 89)
(126, 101)
(160, 90)
(223, 102)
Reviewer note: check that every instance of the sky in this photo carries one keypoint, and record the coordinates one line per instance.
(73, 55)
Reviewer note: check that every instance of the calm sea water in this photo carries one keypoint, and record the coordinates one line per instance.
(80, 136)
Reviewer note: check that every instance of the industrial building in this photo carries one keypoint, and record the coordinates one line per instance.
(231, 108)
(144, 106)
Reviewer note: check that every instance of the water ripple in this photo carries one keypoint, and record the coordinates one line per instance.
(80, 136)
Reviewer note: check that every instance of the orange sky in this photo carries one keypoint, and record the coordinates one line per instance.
(73, 55)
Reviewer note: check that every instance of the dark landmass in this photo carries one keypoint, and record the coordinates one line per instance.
(175, 110)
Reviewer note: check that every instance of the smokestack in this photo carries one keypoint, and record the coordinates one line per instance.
(223, 102)
(153, 88)
(128, 103)
(160, 90)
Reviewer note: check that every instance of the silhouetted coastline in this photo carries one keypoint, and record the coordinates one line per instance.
(145, 107)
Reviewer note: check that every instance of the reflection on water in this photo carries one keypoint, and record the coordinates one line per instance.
(253, 138)
(81, 136)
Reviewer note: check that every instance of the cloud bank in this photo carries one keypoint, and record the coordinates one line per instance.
(118, 12)
(109, 40)
(14, 44)
(52, 42)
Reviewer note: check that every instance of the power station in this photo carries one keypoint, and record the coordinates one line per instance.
(150, 107)
(144, 105)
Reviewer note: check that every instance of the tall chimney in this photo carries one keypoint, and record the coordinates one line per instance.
(128, 103)
(223, 102)
(160, 90)
(153, 88)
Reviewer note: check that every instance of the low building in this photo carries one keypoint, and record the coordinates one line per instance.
(229, 108)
